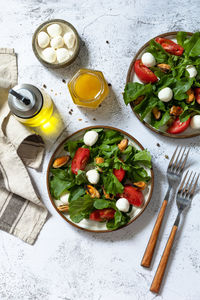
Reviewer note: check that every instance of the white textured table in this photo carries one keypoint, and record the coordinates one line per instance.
(66, 263)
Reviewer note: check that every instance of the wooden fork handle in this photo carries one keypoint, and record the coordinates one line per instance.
(146, 260)
(156, 283)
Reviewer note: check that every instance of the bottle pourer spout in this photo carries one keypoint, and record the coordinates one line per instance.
(25, 100)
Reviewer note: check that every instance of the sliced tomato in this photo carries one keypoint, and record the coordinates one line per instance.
(144, 73)
(169, 46)
(178, 127)
(119, 174)
(134, 196)
(104, 214)
(197, 94)
(80, 159)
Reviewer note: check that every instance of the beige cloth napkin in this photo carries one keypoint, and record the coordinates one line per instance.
(21, 211)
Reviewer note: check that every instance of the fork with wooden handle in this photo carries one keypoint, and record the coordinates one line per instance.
(174, 174)
(183, 200)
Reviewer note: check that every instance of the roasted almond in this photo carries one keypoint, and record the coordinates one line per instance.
(164, 67)
(123, 144)
(141, 185)
(190, 94)
(176, 110)
(61, 161)
(63, 208)
(92, 191)
(156, 112)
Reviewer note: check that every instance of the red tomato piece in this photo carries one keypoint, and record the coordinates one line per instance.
(95, 216)
(144, 73)
(80, 160)
(134, 196)
(169, 46)
(178, 127)
(197, 94)
(119, 174)
(104, 214)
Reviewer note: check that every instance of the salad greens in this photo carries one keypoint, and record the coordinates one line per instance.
(81, 204)
(177, 78)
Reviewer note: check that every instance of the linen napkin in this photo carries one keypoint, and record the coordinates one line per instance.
(21, 211)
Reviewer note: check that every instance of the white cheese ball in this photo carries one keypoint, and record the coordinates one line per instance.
(195, 122)
(192, 71)
(93, 176)
(90, 138)
(165, 94)
(65, 198)
(54, 30)
(49, 54)
(62, 55)
(123, 204)
(148, 59)
(57, 42)
(69, 39)
(43, 39)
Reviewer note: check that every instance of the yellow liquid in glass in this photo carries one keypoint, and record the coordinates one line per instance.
(87, 86)
(44, 114)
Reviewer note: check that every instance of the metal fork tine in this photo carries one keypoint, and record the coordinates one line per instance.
(188, 190)
(194, 187)
(173, 156)
(174, 165)
(184, 162)
(186, 187)
(180, 160)
(182, 183)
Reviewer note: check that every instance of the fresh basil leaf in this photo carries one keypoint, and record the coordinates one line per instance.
(119, 220)
(192, 45)
(59, 186)
(112, 184)
(165, 118)
(144, 107)
(112, 137)
(101, 203)
(138, 173)
(181, 87)
(108, 150)
(157, 51)
(181, 37)
(76, 192)
(72, 146)
(81, 177)
(79, 208)
(143, 157)
(135, 89)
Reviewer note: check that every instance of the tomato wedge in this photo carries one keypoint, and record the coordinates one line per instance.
(197, 94)
(119, 174)
(134, 196)
(144, 73)
(80, 159)
(178, 127)
(104, 214)
(169, 46)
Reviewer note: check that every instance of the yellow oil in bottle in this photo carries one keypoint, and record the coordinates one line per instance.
(88, 88)
(43, 115)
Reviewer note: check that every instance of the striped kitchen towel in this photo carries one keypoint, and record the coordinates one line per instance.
(21, 211)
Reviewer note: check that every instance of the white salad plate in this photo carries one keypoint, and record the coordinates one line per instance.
(90, 225)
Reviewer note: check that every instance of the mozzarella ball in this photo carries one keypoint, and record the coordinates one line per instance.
(123, 204)
(43, 39)
(49, 54)
(90, 138)
(148, 59)
(195, 122)
(54, 30)
(64, 198)
(192, 71)
(93, 176)
(69, 39)
(57, 42)
(62, 55)
(165, 94)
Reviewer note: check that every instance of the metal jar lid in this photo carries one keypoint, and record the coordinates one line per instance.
(22, 109)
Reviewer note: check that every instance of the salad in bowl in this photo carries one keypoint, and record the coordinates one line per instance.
(163, 84)
(100, 179)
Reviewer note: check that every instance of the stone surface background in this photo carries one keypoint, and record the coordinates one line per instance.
(66, 263)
